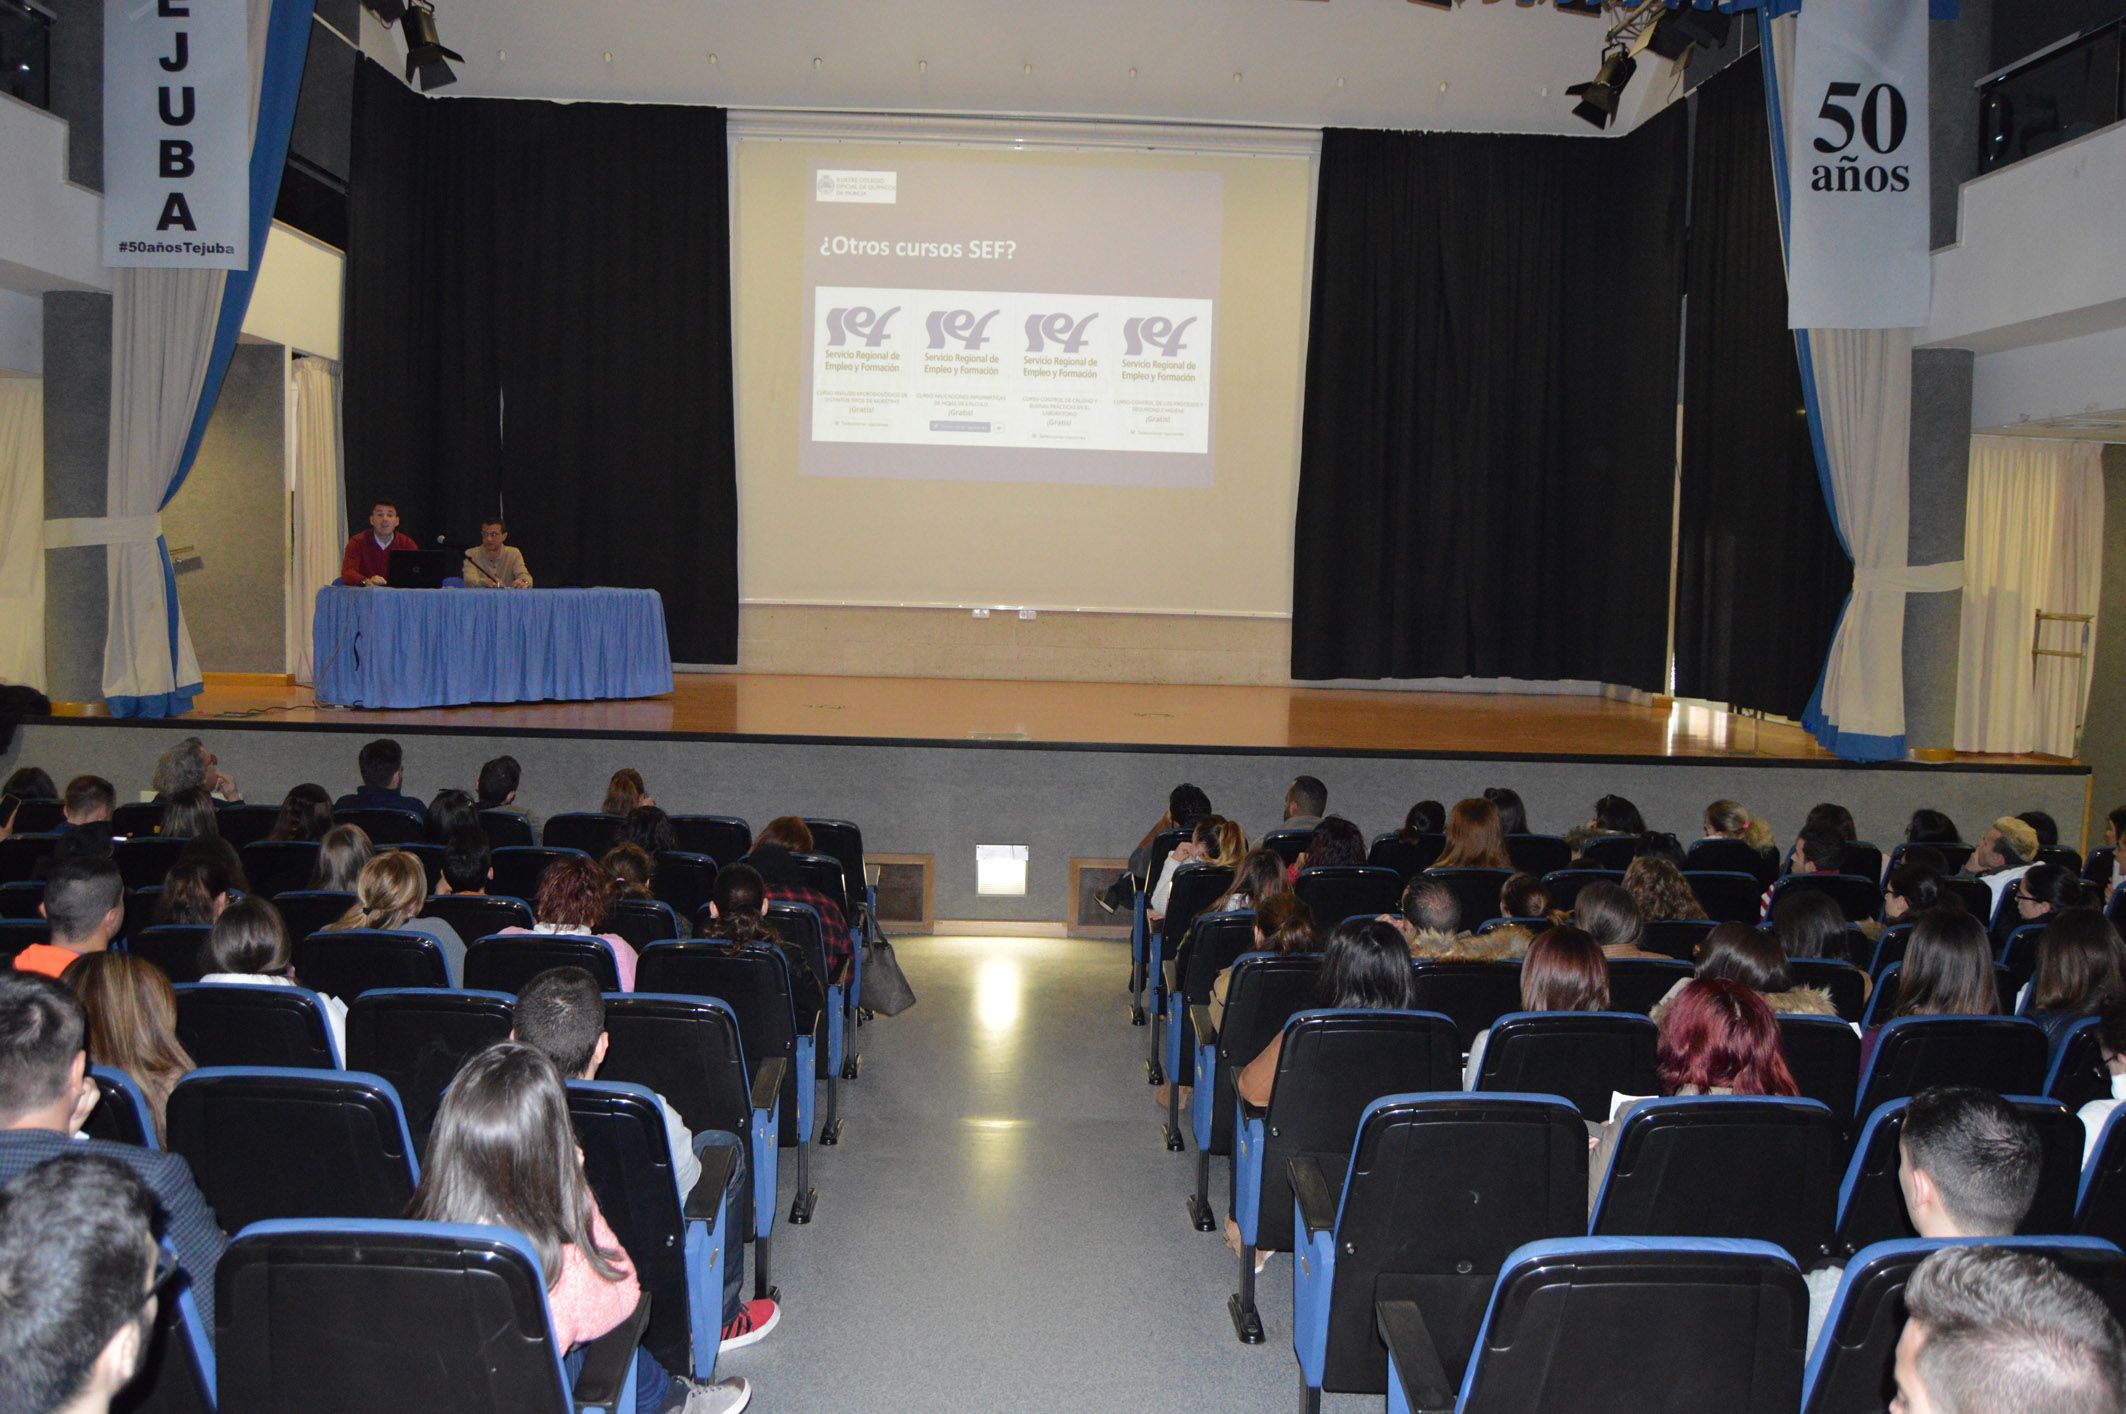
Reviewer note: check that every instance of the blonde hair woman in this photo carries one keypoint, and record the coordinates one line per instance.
(1728, 820)
(389, 895)
(132, 1024)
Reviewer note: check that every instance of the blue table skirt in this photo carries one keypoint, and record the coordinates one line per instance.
(447, 647)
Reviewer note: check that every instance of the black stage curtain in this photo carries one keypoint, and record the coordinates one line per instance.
(539, 317)
(1488, 459)
(1761, 576)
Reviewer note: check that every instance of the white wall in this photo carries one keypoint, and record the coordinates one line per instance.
(21, 335)
(2057, 379)
(297, 299)
(51, 236)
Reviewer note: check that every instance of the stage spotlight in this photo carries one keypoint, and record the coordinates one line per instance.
(386, 10)
(424, 50)
(1599, 99)
(1674, 33)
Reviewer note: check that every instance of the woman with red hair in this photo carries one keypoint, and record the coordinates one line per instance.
(1719, 1038)
(574, 894)
(1474, 838)
(1564, 971)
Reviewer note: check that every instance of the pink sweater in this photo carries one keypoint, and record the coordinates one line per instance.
(584, 1304)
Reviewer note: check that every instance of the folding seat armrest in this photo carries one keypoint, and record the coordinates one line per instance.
(705, 1199)
(1413, 1355)
(1206, 1030)
(767, 1081)
(610, 1359)
(1317, 1205)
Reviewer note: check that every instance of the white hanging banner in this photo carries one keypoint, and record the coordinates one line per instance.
(176, 134)
(1857, 167)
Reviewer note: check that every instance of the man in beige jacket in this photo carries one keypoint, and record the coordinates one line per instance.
(496, 564)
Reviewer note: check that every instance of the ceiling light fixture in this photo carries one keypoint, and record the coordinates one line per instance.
(1600, 98)
(425, 54)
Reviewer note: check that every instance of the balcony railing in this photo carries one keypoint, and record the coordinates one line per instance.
(2055, 95)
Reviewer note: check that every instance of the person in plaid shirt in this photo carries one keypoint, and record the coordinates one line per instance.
(772, 847)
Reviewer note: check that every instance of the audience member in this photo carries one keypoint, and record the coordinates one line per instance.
(84, 902)
(192, 892)
(341, 856)
(45, 1098)
(1335, 843)
(1283, 924)
(1214, 840)
(1564, 971)
(1811, 924)
(189, 764)
(306, 814)
(1613, 815)
(89, 799)
(1427, 817)
(1729, 820)
(30, 783)
(738, 913)
(382, 763)
(497, 790)
(572, 898)
(1475, 837)
(1736, 952)
(1430, 917)
(2111, 1043)
(1661, 891)
(132, 1017)
(2101, 867)
(1259, 878)
(91, 842)
(2081, 970)
(1306, 801)
(1835, 818)
(1183, 805)
(1912, 889)
(1513, 813)
(1609, 913)
(630, 868)
(218, 855)
(649, 829)
(468, 864)
(1931, 827)
(2046, 890)
(187, 814)
(1992, 1328)
(780, 838)
(2004, 854)
(503, 1152)
(389, 895)
(626, 792)
(78, 1287)
(248, 947)
(1818, 849)
(1524, 896)
(1947, 971)
(1967, 1165)
(450, 811)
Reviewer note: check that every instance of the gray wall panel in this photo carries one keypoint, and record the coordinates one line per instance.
(77, 439)
(233, 512)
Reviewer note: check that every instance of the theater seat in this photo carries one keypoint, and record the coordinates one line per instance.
(265, 1142)
(1195, 887)
(507, 962)
(642, 921)
(1264, 991)
(1140, 924)
(1737, 1166)
(241, 825)
(1406, 857)
(177, 1374)
(308, 911)
(590, 831)
(278, 867)
(1858, 896)
(1346, 890)
(144, 859)
(2005, 1054)
(518, 867)
(1573, 1324)
(1564, 885)
(1846, 983)
(227, 1023)
(384, 826)
(1475, 994)
(684, 881)
(1287, 844)
(1728, 895)
(1871, 1205)
(2100, 1205)
(1824, 1056)
(1476, 893)
(18, 933)
(1680, 938)
(724, 838)
(1717, 855)
(1441, 1189)
(799, 925)
(1851, 1370)
(1213, 943)
(19, 855)
(1582, 1056)
(1332, 1065)
(22, 900)
(1538, 854)
(1637, 983)
(350, 961)
(121, 1114)
(2079, 1073)
(350, 1316)
(505, 827)
(477, 915)
(418, 1037)
(173, 948)
(1610, 852)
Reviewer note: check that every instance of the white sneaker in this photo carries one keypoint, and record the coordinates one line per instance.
(722, 1397)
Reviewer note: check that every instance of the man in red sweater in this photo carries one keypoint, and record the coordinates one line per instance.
(369, 553)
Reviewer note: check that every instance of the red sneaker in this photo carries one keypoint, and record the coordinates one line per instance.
(753, 1321)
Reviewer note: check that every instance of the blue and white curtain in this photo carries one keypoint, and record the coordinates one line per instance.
(173, 333)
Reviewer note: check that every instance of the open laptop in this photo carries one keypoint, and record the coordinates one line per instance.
(416, 569)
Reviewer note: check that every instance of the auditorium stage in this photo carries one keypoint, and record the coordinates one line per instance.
(1072, 771)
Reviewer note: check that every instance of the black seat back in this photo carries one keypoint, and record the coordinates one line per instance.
(1345, 890)
(22, 899)
(1871, 1205)
(39, 817)
(799, 924)
(417, 1039)
(822, 873)
(350, 961)
(477, 915)
(2018, 953)
(307, 1309)
(1538, 854)
(19, 855)
(269, 1143)
(1219, 938)
(143, 860)
(1725, 856)
(688, 1050)
(1564, 885)
(1441, 1190)
(753, 980)
(1476, 891)
(1862, 860)
(1977, 895)
(246, 824)
(1846, 984)
(308, 911)
(1196, 886)
(684, 881)
(1163, 844)
(1285, 842)
(1636, 983)
(230, 1024)
(641, 921)
(384, 826)
(1824, 1056)
(277, 867)
(1610, 851)
(723, 838)
(1725, 1166)
(173, 947)
(1571, 1322)
(2101, 1211)
(506, 963)
(1727, 896)
(1260, 997)
(136, 817)
(18, 933)
(1333, 1064)
(628, 1161)
(505, 827)
(1858, 897)
(1405, 856)
(518, 867)
(592, 831)
(1474, 994)
(140, 906)
(176, 1374)
(2005, 1054)
(431, 858)
(2079, 1073)
(121, 1115)
(844, 843)
(1584, 1056)
(1680, 938)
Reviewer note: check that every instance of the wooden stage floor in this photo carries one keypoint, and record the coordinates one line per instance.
(1159, 716)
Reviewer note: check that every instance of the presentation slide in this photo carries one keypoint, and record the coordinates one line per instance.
(976, 323)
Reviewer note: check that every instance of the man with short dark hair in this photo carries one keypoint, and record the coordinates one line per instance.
(1185, 805)
(1992, 1328)
(368, 557)
(88, 799)
(496, 564)
(1306, 800)
(1967, 1165)
(468, 864)
(1818, 849)
(1431, 916)
(45, 1098)
(78, 1295)
(382, 764)
(84, 902)
(497, 790)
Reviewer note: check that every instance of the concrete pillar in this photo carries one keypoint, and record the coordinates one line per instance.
(1941, 472)
(77, 439)
(2104, 732)
(1959, 53)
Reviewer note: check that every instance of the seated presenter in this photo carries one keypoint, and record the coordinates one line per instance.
(368, 555)
(496, 564)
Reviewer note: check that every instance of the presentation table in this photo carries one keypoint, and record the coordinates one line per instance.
(377, 647)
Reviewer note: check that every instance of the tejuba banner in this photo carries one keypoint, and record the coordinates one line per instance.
(176, 134)
(1857, 167)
